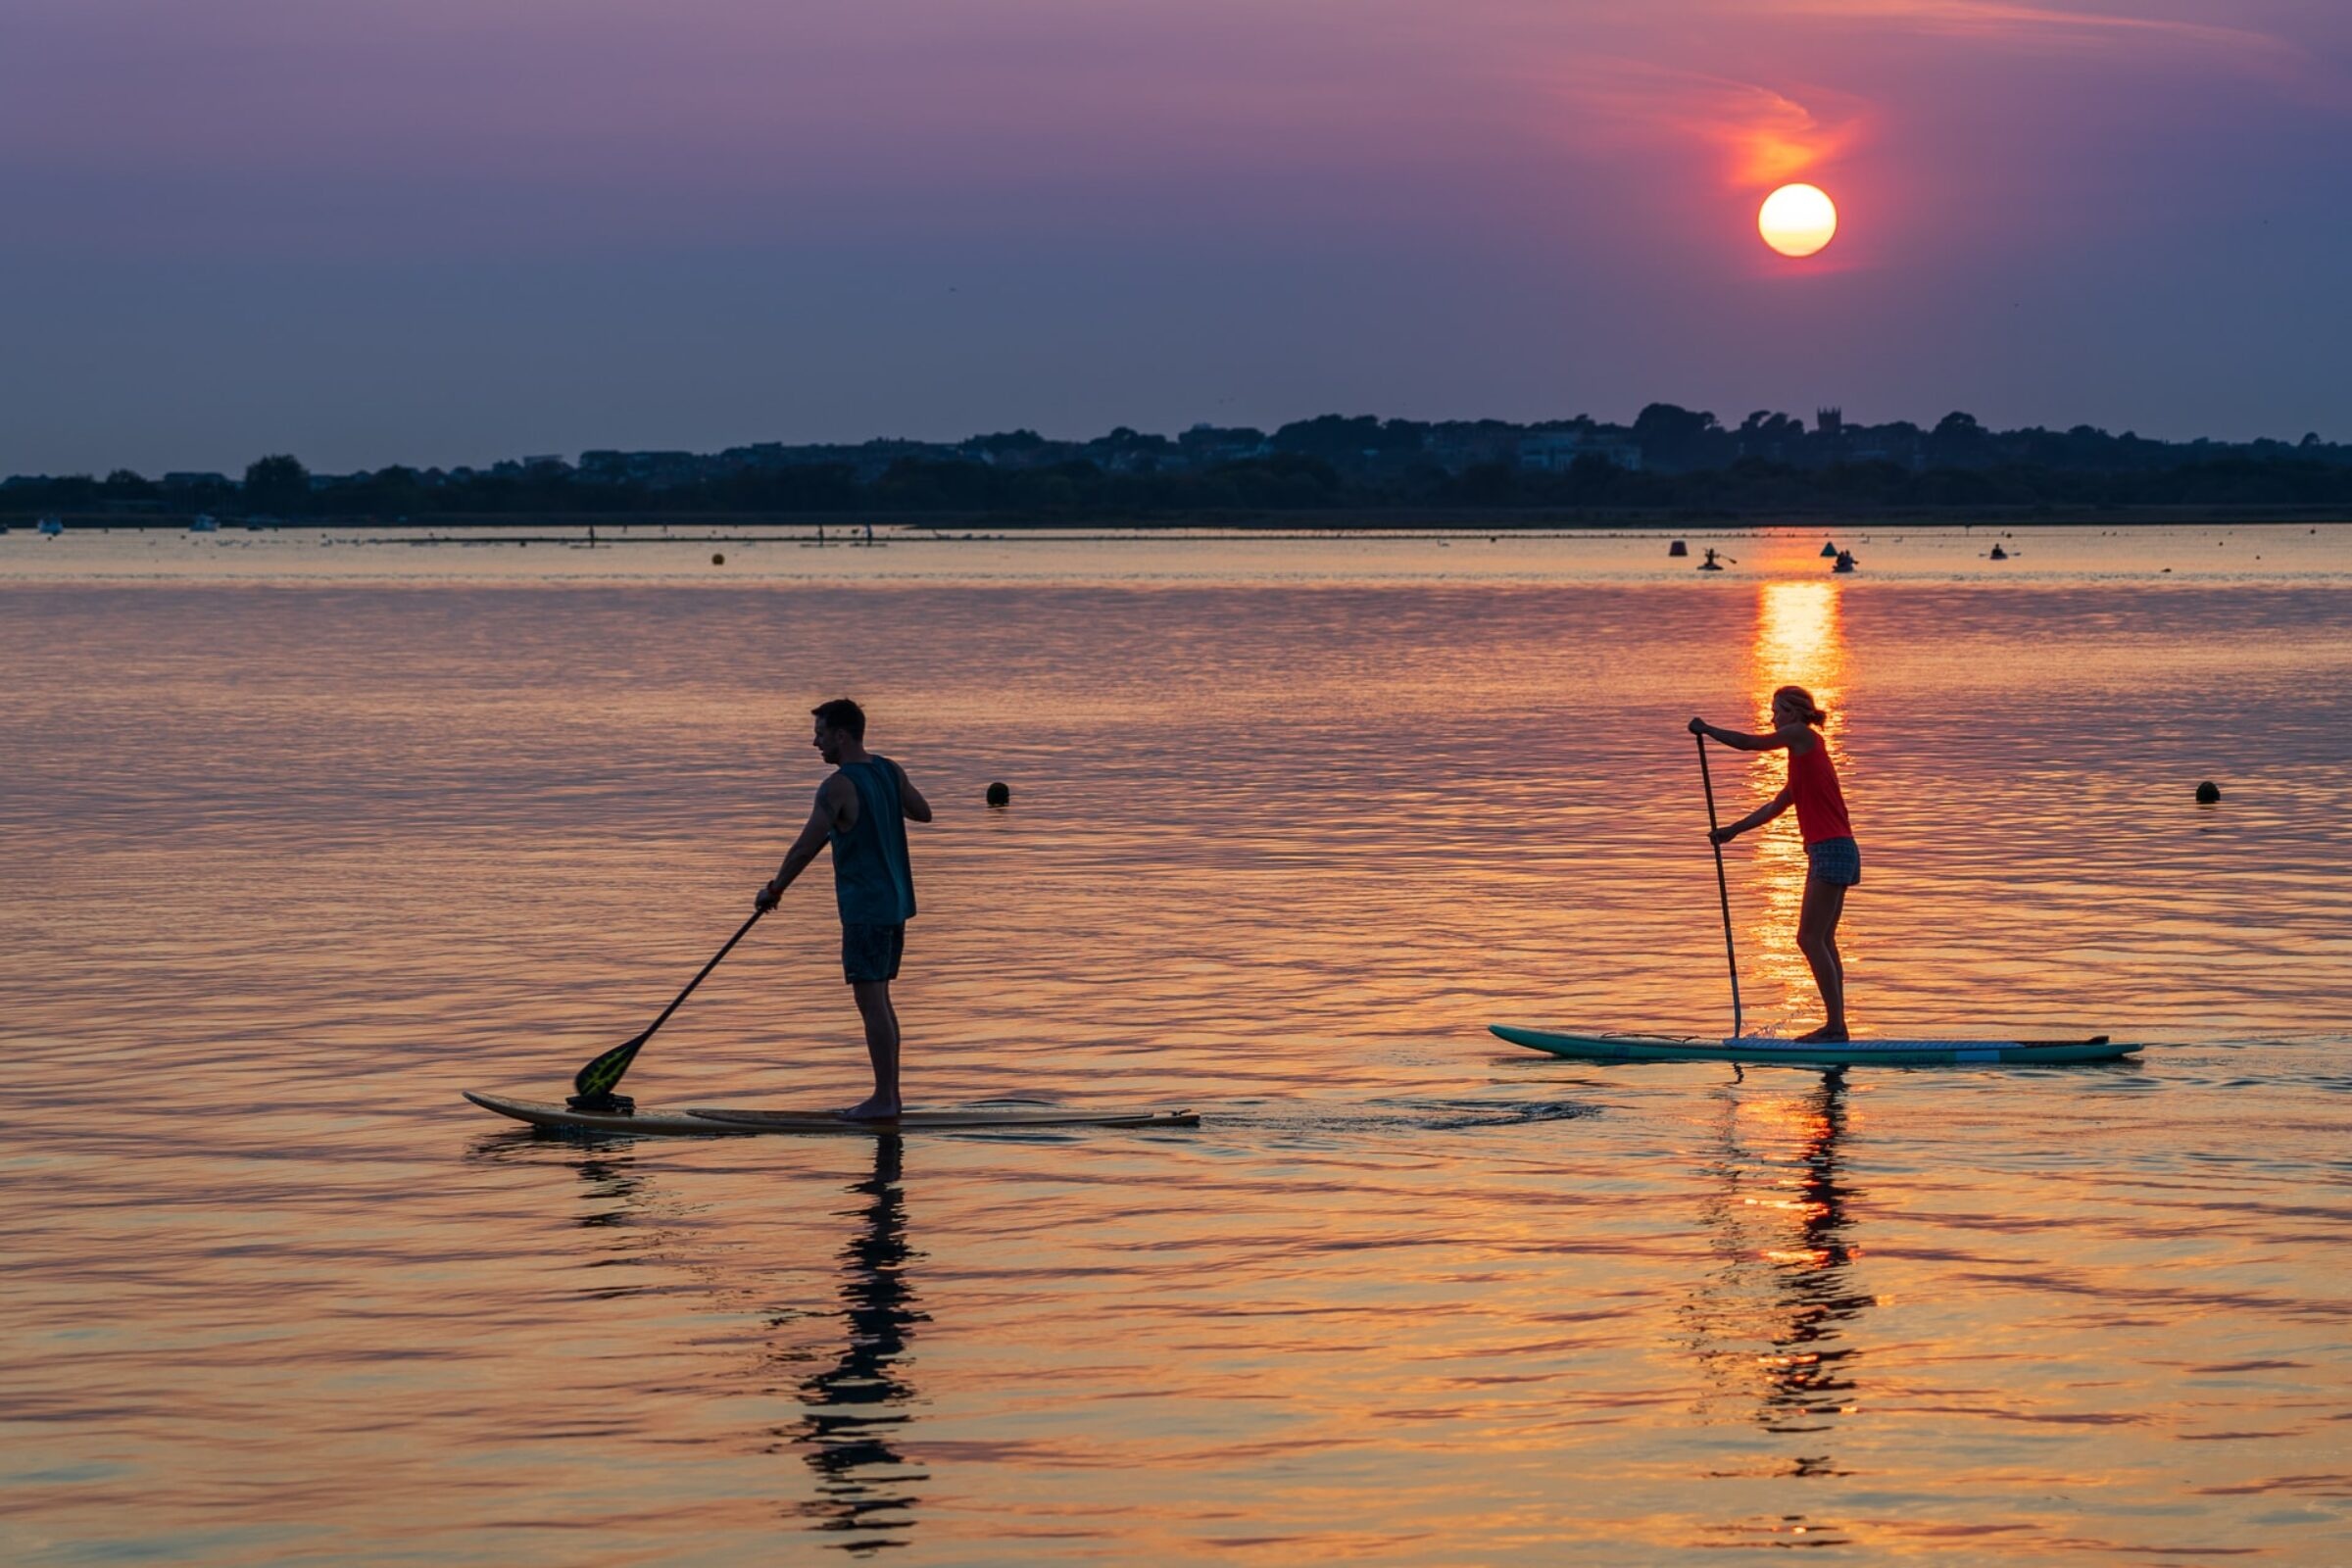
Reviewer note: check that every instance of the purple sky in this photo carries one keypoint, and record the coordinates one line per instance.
(441, 231)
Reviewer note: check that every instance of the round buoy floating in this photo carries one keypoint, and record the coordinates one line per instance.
(2208, 793)
(718, 561)
(1000, 794)
(1678, 547)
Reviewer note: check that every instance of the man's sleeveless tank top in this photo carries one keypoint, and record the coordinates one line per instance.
(871, 879)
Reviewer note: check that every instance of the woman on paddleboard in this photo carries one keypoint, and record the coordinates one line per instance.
(1835, 860)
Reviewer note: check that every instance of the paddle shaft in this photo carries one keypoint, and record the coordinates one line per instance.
(1723, 888)
(600, 1075)
(741, 932)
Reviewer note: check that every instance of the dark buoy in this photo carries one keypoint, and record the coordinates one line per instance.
(1000, 794)
(718, 561)
(2208, 793)
(1678, 547)
(1828, 549)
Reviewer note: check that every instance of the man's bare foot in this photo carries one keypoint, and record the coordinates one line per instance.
(875, 1108)
(1823, 1036)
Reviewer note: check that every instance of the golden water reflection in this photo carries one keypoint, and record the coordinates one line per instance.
(1771, 1318)
(1800, 641)
(854, 1404)
(1380, 1304)
(855, 1407)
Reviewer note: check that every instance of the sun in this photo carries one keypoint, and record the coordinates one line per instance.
(1797, 220)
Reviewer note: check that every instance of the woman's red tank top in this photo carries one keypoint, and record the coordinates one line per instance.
(1820, 804)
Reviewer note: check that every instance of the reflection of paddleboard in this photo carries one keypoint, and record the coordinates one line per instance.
(723, 1123)
(1752, 1049)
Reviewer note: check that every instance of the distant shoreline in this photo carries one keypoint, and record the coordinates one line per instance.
(1337, 521)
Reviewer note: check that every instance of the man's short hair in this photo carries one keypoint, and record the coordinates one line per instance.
(842, 714)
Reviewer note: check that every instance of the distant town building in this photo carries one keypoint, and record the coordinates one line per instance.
(656, 471)
(1209, 446)
(1557, 451)
(1467, 444)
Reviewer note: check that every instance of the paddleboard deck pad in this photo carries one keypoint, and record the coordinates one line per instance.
(723, 1123)
(1751, 1049)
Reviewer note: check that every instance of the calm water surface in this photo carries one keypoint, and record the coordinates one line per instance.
(299, 841)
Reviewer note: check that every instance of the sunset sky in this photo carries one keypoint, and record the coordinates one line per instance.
(442, 231)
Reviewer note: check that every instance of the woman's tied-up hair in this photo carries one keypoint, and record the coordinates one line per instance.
(1804, 699)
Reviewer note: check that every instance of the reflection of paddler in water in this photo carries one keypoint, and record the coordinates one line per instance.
(1835, 862)
(862, 810)
(1802, 1279)
(844, 1435)
(852, 1406)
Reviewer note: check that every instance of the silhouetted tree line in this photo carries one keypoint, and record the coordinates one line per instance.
(1668, 457)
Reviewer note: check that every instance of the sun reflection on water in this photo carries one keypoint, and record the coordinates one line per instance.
(1772, 1320)
(1800, 641)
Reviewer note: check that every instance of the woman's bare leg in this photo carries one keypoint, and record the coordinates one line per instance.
(1817, 939)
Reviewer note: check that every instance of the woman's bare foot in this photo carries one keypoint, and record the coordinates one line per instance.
(873, 1107)
(1826, 1035)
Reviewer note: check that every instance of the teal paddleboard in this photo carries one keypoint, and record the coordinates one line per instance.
(1751, 1049)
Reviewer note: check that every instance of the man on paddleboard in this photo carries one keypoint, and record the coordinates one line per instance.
(1834, 861)
(862, 811)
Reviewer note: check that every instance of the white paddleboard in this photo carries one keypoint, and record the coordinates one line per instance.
(718, 1122)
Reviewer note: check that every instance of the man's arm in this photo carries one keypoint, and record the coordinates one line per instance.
(814, 833)
(1757, 818)
(911, 799)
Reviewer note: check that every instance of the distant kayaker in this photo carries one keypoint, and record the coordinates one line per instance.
(862, 811)
(1835, 860)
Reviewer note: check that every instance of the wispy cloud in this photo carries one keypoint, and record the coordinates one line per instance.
(1759, 134)
(2049, 26)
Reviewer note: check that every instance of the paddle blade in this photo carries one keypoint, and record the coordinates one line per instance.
(595, 1080)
